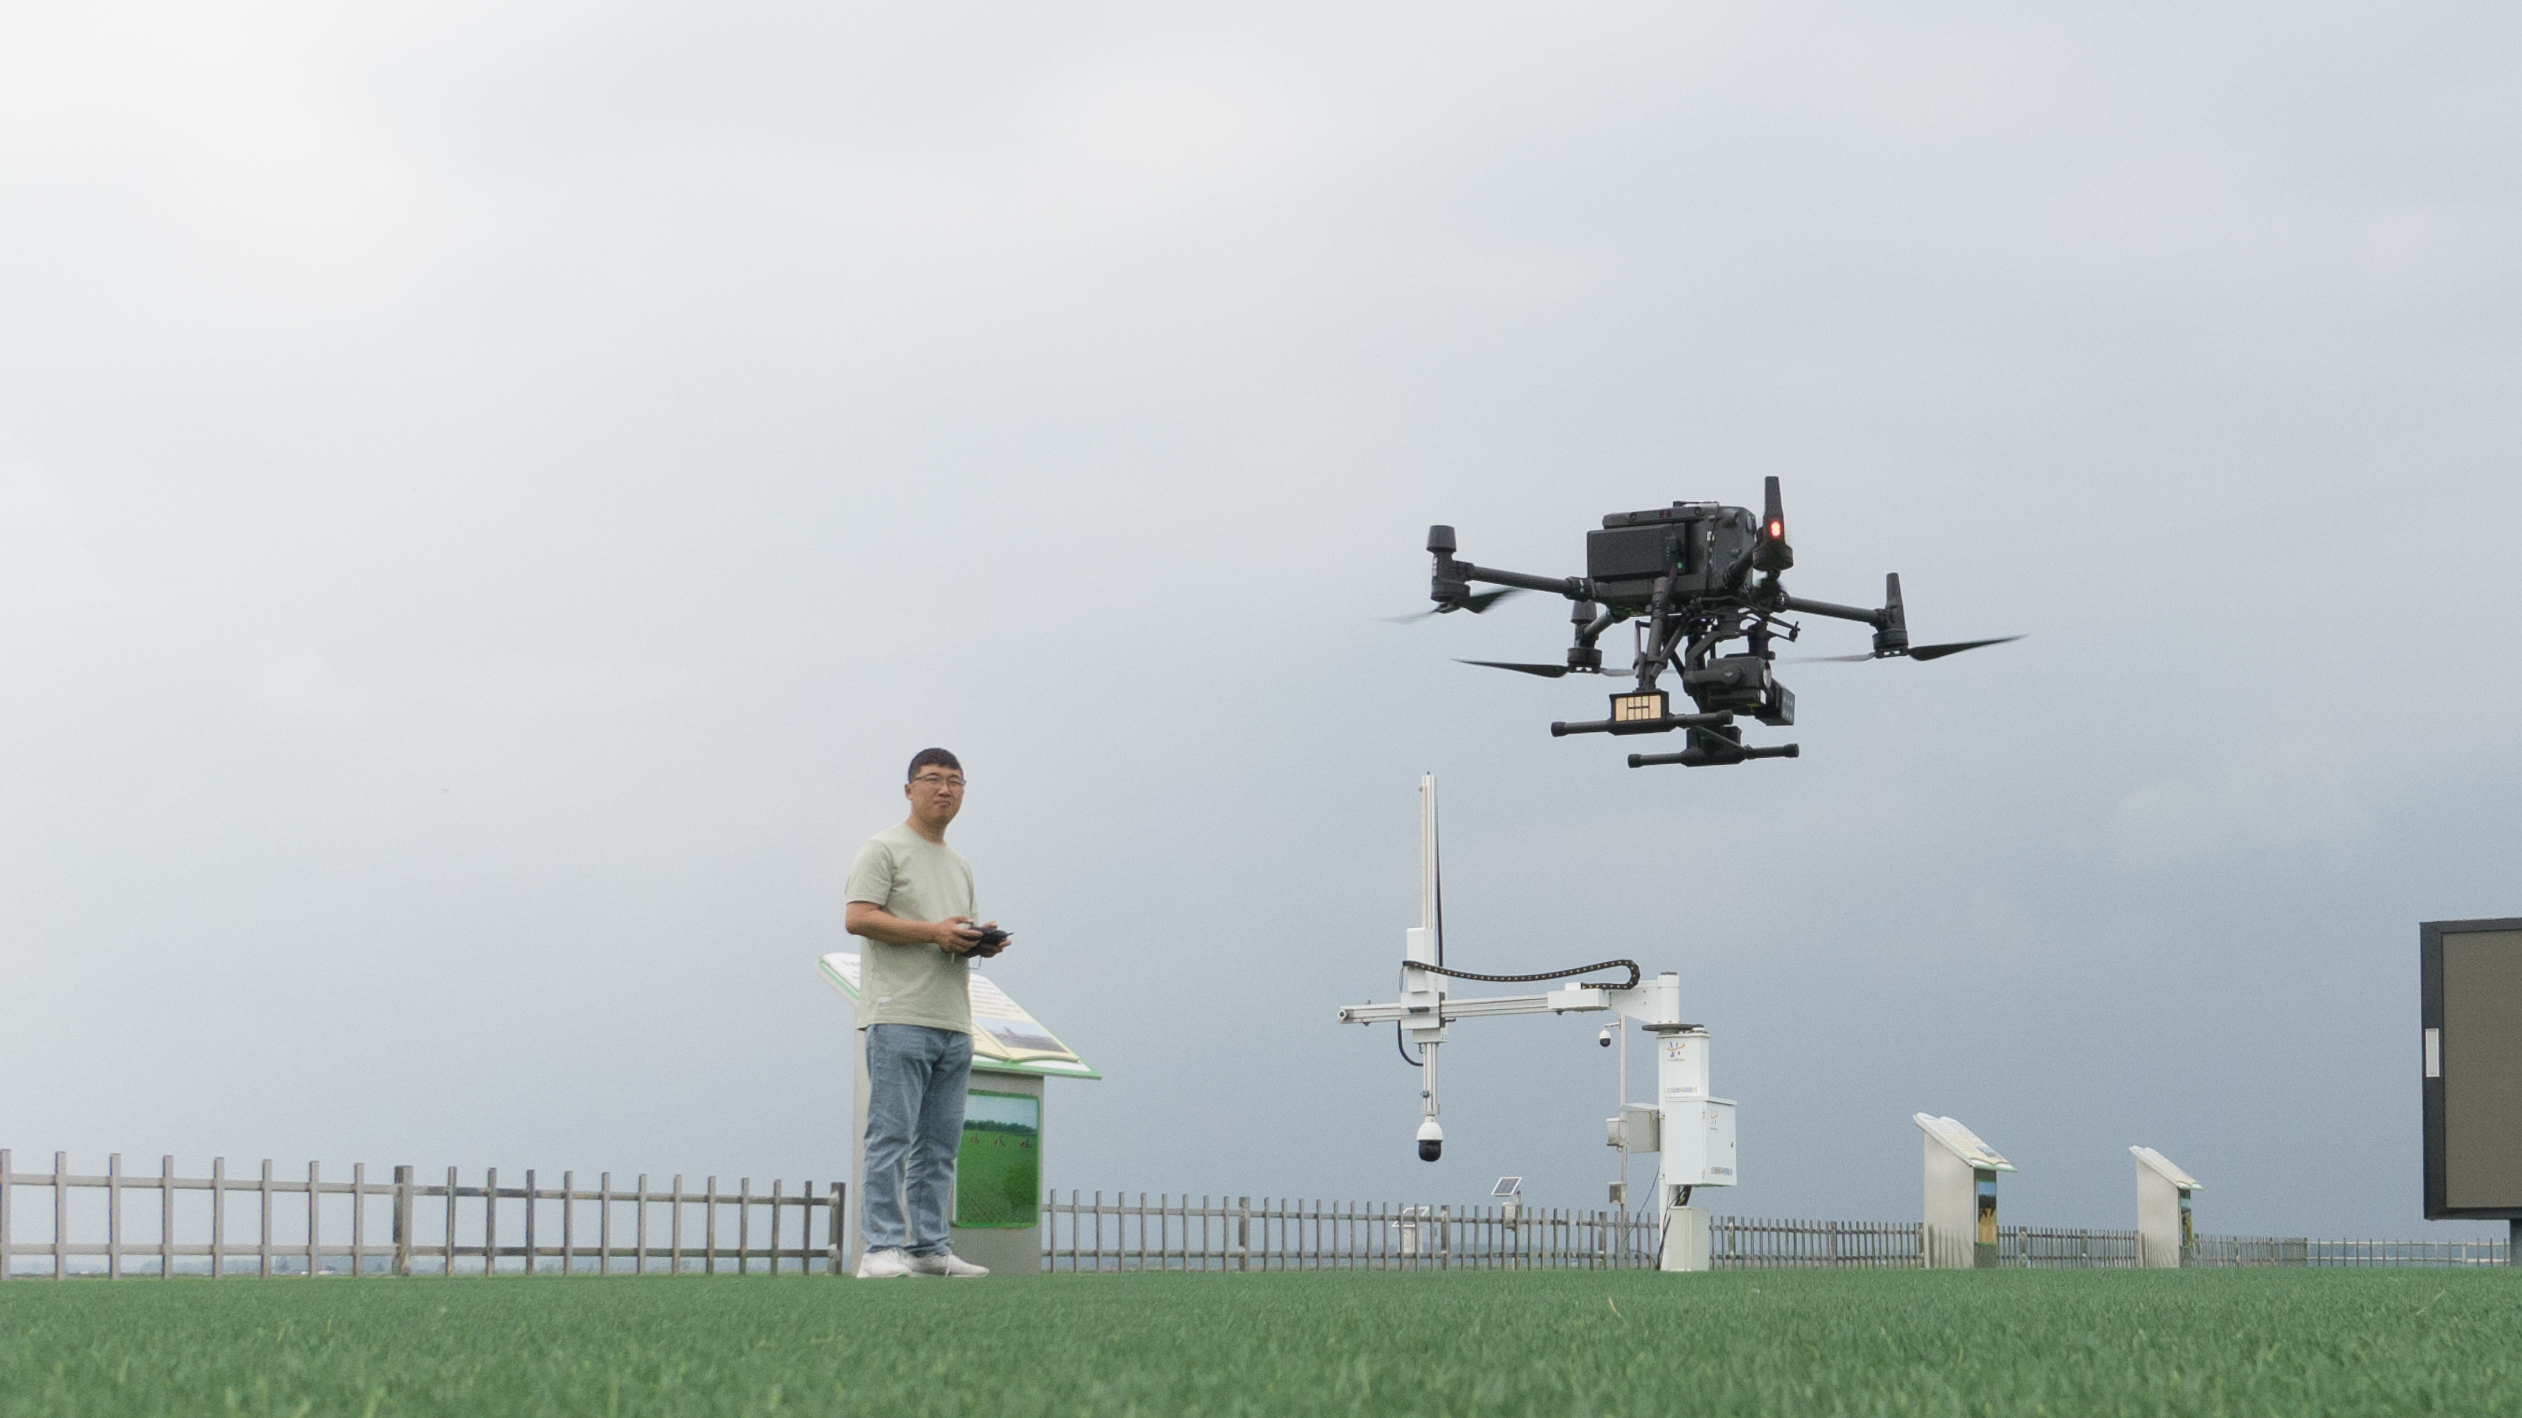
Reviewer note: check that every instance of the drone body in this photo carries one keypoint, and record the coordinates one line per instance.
(1694, 577)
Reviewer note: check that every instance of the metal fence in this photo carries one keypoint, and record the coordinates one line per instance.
(1238, 1233)
(1756, 1243)
(2413, 1253)
(93, 1224)
(1119, 1233)
(178, 1225)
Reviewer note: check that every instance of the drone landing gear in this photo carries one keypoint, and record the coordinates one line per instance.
(1702, 758)
(1714, 739)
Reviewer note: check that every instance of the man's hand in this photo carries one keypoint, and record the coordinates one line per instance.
(958, 936)
(954, 935)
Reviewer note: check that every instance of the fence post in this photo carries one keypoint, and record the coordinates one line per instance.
(262, 1248)
(490, 1221)
(403, 1220)
(61, 1216)
(218, 1217)
(709, 1231)
(114, 1216)
(674, 1243)
(604, 1224)
(5, 1260)
(358, 1219)
(314, 1219)
(568, 1221)
(639, 1213)
(1243, 1233)
(832, 1225)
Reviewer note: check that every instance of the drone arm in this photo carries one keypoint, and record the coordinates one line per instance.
(1835, 611)
(1572, 587)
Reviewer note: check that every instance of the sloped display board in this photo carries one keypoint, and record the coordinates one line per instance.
(1004, 1036)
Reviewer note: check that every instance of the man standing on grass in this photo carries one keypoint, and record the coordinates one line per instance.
(910, 905)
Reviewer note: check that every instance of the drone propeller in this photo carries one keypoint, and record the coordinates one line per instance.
(1914, 652)
(1477, 604)
(1546, 671)
(1938, 652)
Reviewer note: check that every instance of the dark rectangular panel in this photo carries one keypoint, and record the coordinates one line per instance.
(2482, 1069)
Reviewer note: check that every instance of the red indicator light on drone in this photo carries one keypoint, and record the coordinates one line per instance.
(1773, 555)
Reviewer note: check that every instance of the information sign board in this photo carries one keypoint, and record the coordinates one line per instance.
(2470, 1060)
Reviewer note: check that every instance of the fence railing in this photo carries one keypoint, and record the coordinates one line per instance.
(1118, 1232)
(1757, 1243)
(178, 1225)
(2413, 1253)
(118, 1224)
(1240, 1233)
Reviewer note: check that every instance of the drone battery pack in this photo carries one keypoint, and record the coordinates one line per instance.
(1704, 548)
(1634, 555)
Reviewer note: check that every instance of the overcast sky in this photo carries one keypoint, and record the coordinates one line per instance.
(492, 495)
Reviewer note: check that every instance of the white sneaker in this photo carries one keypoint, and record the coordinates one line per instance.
(949, 1265)
(884, 1264)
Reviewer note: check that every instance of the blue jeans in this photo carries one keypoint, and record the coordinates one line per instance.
(916, 1078)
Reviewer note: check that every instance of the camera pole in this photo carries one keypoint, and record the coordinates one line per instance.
(1691, 1133)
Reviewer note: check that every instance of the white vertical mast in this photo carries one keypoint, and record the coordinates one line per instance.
(1423, 993)
(1431, 893)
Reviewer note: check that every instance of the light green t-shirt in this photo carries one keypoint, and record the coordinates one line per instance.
(918, 880)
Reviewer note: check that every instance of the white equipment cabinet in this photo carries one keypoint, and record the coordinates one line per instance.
(1690, 1132)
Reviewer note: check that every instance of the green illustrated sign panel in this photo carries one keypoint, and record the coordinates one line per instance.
(998, 1169)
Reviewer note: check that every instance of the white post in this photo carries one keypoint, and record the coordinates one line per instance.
(1697, 1143)
(1423, 993)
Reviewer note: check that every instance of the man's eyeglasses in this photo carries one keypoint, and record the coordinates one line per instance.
(934, 781)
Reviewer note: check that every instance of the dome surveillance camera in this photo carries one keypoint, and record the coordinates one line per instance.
(1431, 1140)
(1604, 1038)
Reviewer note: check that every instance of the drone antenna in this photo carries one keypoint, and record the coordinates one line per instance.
(1773, 555)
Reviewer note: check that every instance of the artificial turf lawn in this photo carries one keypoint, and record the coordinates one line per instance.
(1736, 1343)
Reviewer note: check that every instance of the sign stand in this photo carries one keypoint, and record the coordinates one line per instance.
(1961, 1195)
(2167, 1235)
(997, 1202)
(2469, 999)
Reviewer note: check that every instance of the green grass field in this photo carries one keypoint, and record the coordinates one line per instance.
(1740, 1343)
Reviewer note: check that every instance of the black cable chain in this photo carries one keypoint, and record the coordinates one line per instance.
(1634, 974)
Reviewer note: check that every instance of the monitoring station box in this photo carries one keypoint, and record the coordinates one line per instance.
(2470, 1057)
(998, 1167)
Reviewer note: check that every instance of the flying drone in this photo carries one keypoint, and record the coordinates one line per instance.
(1693, 577)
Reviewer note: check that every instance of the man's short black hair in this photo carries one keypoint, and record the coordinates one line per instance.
(932, 757)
